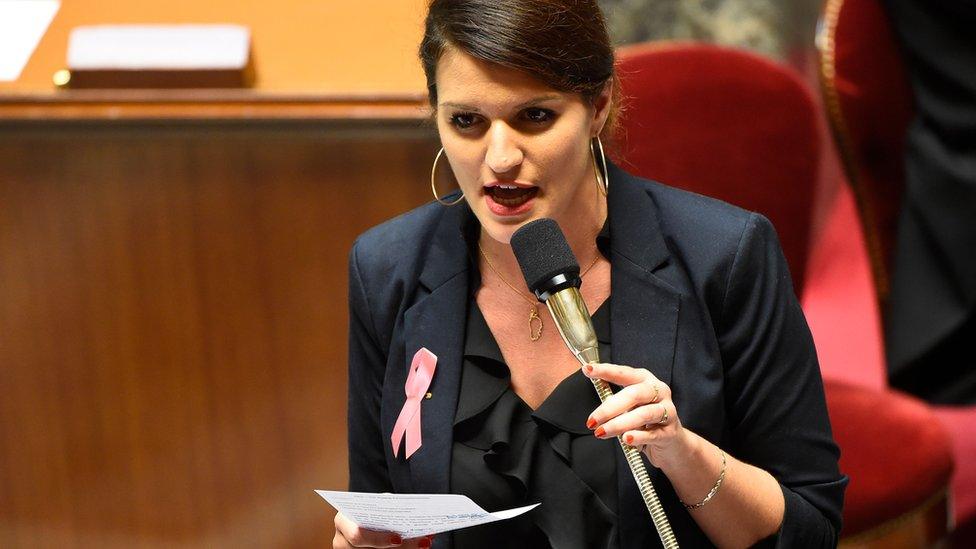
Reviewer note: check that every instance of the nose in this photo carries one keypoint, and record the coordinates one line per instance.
(503, 154)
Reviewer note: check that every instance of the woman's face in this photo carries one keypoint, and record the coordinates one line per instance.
(519, 149)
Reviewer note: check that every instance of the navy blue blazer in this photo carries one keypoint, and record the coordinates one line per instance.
(702, 297)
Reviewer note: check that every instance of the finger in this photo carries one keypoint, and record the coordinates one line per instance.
(619, 403)
(625, 400)
(355, 536)
(618, 375)
(339, 542)
(641, 438)
(649, 415)
(421, 543)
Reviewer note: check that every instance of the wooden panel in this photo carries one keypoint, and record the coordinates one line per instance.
(113, 105)
(309, 46)
(173, 325)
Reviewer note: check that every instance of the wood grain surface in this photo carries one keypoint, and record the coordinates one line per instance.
(207, 105)
(173, 325)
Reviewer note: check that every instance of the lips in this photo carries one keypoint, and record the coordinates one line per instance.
(511, 196)
(511, 199)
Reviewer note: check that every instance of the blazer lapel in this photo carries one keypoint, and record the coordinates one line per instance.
(644, 312)
(437, 322)
(643, 324)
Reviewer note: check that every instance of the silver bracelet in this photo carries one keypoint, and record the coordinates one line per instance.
(713, 491)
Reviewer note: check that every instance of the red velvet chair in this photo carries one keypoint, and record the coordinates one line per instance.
(723, 123)
(870, 105)
(739, 127)
(899, 459)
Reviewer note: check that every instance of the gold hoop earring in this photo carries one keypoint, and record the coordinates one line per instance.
(602, 178)
(433, 177)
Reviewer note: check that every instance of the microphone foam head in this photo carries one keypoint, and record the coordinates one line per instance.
(543, 253)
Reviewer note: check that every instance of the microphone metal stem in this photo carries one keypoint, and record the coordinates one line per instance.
(576, 328)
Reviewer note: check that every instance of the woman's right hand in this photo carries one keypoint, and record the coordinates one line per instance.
(349, 534)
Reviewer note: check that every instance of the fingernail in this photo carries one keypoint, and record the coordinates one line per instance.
(396, 539)
(629, 439)
(425, 542)
(588, 368)
(590, 423)
(600, 432)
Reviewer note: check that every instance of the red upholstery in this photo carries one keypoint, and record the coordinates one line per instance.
(895, 450)
(961, 424)
(839, 299)
(870, 103)
(728, 124)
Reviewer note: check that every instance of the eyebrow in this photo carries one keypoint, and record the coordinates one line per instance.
(533, 101)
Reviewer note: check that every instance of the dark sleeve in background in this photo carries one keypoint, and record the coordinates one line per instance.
(775, 398)
(367, 364)
(931, 321)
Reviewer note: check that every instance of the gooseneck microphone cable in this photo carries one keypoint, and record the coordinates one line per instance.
(553, 274)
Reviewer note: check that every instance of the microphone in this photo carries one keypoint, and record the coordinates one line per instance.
(553, 274)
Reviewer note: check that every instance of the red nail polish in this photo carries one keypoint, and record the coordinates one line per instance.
(396, 539)
(629, 439)
(424, 543)
(600, 432)
(590, 423)
(588, 368)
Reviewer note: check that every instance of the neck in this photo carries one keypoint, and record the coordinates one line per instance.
(580, 228)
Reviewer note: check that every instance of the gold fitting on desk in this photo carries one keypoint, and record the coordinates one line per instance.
(62, 78)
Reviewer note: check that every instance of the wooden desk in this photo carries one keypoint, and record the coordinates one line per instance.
(108, 106)
(173, 309)
(298, 46)
(173, 276)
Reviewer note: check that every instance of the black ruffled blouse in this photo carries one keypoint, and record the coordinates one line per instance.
(506, 455)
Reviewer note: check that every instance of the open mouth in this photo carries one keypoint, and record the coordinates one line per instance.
(511, 196)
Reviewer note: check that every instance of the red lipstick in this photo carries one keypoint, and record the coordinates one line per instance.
(509, 198)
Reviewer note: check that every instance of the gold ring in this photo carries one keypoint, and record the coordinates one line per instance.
(657, 395)
(664, 418)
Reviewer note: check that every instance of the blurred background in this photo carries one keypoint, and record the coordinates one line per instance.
(173, 244)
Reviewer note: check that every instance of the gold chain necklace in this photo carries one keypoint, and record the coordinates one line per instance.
(535, 321)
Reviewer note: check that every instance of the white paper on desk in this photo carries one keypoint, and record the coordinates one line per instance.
(22, 25)
(414, 515)
(159, 47)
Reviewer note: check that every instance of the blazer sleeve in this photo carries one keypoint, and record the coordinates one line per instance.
(774, 393)
(367, 365)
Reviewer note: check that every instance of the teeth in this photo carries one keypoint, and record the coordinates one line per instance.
(509, 186)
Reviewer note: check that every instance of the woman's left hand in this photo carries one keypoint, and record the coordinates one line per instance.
(642, 412)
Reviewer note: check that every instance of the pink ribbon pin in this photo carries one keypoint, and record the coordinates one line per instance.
(418, 380)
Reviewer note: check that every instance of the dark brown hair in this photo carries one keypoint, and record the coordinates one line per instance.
(563, 43)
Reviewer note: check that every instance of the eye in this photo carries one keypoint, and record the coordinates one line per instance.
(538, 115)
(463, 120)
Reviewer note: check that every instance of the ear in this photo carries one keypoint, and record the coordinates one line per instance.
(601, 109)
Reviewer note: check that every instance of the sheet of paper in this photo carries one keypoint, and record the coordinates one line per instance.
(162, 47)
(22, 24)
(414, 515)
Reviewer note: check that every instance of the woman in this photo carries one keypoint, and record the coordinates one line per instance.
(719, 384)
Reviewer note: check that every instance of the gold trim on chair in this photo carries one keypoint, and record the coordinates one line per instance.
(826, 45)
(922, 526)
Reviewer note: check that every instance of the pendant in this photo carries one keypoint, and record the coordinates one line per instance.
(535, 324)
